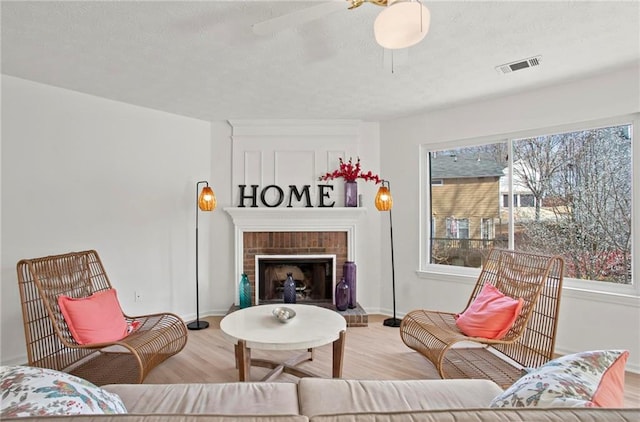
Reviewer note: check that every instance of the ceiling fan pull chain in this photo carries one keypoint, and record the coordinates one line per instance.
(392, 63)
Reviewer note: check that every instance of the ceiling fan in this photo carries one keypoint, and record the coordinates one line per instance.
(358, 3)
(401, 24)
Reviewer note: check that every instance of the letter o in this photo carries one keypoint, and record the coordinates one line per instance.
(280, 196)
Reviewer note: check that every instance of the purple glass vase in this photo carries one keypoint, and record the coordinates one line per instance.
(349, 273)
(351, 194)
(289, 286)
(342, 295)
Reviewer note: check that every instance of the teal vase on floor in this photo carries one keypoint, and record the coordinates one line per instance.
(245, 292)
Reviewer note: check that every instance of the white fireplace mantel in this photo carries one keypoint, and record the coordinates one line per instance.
(284, 219)
(295, 219)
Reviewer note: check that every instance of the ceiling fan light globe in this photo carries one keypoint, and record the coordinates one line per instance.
(402, 24)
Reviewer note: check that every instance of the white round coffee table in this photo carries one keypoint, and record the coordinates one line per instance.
(256, 328)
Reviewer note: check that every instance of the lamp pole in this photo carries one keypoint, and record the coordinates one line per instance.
(392, 322)
(384, 202)
(197, 324)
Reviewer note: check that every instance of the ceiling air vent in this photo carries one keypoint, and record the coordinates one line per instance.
(521, 64)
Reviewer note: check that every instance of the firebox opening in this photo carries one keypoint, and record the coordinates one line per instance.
(314, 276)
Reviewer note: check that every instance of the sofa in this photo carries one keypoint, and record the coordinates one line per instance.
(586, 386)
(310, 399)
(333, 400)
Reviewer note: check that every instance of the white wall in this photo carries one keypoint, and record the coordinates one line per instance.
(81, 172)
(586, 321)
(221, 241)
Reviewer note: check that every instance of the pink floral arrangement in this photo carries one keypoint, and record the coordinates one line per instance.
(350, 172)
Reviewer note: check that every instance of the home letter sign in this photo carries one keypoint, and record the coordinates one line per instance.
(273, 196)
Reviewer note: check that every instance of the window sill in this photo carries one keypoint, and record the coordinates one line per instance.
(621, 299)
(624, 296)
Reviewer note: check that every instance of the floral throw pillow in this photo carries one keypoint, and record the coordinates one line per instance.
(586, 379)
(29, 391)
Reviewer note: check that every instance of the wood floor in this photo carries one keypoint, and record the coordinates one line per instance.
(373, 352)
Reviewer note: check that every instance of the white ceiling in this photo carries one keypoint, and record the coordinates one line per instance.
(202, 59)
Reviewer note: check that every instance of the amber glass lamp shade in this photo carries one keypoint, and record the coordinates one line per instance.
(384, 201)
(207, 199)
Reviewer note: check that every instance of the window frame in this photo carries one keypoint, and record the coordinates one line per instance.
(617, 291)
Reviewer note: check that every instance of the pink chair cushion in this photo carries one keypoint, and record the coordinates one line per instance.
(94, 319)
(490, 315)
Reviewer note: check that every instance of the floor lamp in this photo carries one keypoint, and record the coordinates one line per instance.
(206, 201)
(384, 202)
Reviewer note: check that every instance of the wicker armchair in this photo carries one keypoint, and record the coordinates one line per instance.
(530, 341)
(50, 343)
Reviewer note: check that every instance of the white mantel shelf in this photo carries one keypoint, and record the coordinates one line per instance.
(295, 219)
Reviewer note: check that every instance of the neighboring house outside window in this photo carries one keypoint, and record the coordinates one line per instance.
(465, 199)
(522, 195)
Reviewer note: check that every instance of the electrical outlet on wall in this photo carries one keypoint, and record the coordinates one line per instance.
(137, 297)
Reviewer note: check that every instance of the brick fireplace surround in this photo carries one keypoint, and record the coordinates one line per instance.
(300, 243)
(292, 243)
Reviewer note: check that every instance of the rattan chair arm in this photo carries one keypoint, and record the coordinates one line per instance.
(138, 317)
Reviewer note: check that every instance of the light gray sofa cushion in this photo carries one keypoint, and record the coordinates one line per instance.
(239, 398)
(567, 414)
(331, 396)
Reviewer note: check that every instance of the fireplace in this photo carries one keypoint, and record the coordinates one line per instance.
(299, 235)
(314, 276)
(294, 249)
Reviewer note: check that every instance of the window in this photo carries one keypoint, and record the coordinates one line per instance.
(486, 229)
(571, 195)
(527, 201)
(433, 227)
(468, 201)
(457, 228)
(581, 185)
